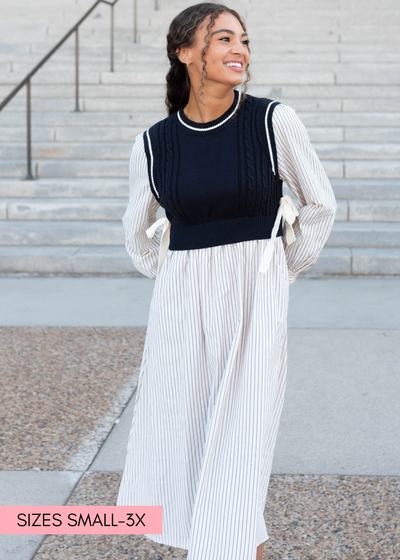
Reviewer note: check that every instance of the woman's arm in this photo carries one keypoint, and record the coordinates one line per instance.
(141, 214)
(300, 168)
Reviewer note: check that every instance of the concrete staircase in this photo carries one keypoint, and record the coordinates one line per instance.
(338, 66)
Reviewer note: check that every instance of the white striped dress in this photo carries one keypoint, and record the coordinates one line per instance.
(212, 379)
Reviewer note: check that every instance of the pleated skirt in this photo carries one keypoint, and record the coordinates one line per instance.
(209, 399)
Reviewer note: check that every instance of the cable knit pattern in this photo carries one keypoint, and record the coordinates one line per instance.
(302, 171)
(250, 164)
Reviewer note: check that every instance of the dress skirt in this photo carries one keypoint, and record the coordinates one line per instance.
(209, 398)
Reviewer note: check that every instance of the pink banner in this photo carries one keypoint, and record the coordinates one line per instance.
(80, 520)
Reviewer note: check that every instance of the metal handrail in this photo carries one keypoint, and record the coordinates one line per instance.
(27, 80)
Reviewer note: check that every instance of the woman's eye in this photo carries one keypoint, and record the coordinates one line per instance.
(246, 42)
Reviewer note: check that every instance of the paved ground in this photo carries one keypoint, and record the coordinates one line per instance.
(70, 351)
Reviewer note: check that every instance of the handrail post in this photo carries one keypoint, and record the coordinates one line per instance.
(134, 21)
(112, 38)
(156, 7)
(27, 80)
(77, 70)
(29, 175)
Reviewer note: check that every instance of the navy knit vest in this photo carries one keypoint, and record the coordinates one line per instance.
(217, 181)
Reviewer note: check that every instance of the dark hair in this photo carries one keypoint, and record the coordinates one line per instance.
(181, 33)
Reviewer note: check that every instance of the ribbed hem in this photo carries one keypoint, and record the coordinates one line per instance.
(222, 232)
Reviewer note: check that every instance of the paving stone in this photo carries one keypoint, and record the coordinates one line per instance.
(32, 488)
(66, 386)
(301, 515)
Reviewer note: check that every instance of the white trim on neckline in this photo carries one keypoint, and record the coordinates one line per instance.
(216, 125)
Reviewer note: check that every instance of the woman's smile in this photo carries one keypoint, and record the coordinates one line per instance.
(234, 65)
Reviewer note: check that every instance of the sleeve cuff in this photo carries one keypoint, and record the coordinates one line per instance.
(292, 276)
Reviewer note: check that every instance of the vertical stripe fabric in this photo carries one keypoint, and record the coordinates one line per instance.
(213, 373)
(299, 167)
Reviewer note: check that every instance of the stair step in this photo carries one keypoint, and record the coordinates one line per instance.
(113, 209)
(280, 92)
(58, 233)
(119, 168)
(98, 168)
(345, 189)
(67, 151)
(127, 104)
(73, 134)
(128, 134)
(148, 118)
(367, 189)
(375, 134)
(65, 209)
(102, 104)
(276, 77)
(54, 118)
(115, 260)
(161, 63)
(374, 210)
(372, 169)
(62, 168)
(119, 150)
(109, 209)
(95, 91)
(364, 234)
(370, 261)
(344, 234)
(66, 260)
(45, 76)
(62, 188)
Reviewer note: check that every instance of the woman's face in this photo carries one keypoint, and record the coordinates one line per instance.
(228, 44)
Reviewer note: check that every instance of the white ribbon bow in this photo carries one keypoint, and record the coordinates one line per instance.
(288, 211)
(164, 238)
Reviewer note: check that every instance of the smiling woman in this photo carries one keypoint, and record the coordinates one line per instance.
(213, 374)
(202, 59)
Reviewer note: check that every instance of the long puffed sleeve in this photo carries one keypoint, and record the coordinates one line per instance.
(300, 168)
(141, 214)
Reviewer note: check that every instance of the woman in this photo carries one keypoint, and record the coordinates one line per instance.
(212, 379)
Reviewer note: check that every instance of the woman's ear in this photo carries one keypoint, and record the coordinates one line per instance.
(183, 55)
